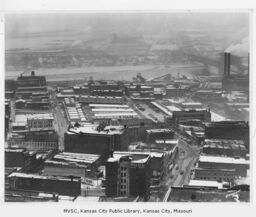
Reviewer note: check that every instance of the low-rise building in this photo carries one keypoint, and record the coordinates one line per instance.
(212, 174)
(238, 130)
(206, 184)
(202, 115)
(195, 194)
(240, 165)
(172, 91)
(35, 140)
(40, 121)
(95, 139)
(100, 99)
(60, 185)
(19, 157)
(226, 147)
(73, 164)
(152, 135)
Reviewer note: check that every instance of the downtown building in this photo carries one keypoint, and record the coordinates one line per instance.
(180, 116)
(73, 164)
(59, 184)
(20, 158)
(220, 168)
(152, 135)
(95, 139)
(232, 130)
(34, 132)
(31, 92)
(128, 175)
(225, 147)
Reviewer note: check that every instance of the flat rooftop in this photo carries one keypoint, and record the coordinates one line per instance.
(21, 119)
(167, 141)
(151, 154)
(224, 160)
(42, 116)
(116, 114)
(217, 169)
(205, 183)
(14, 149)
(173, 108)
(109, 105)
(135, 158)
(226, 124)
(165, 130)
(224, 143)
(92, 129)
(191, 104)
(35, 176)
(77, 157)
(105, 110)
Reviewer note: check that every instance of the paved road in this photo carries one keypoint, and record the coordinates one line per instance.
(188, 156)
(181, 172)
(60, 121)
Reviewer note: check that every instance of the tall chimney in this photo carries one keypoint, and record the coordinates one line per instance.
(227, 64)
(248, 63)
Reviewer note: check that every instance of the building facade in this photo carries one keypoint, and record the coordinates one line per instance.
(128, 175)
(60, 185)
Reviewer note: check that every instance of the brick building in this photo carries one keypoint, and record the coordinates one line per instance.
(61, 185)
(152, 135)
(218, 162)
(128, 175)
(73, 164)
(94, 139)
(19, 157)
(202, 115)
(238, 130)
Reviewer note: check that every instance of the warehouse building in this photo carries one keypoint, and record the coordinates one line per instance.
(101, 100)
(206, 184)
(240, 165)
(108, 106)
(106, 89)
(212, 174)
(95, 139)
(152, 135)
(73, 164)
(33, 90)
(226, 147)
(238, 130)
(19, 157)
(202, 115)
(74, 112)
(60, 185)
(40, 121)
(35, 140)
(172, 91)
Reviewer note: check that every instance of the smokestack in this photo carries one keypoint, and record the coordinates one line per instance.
(227, 64)
(248, 63)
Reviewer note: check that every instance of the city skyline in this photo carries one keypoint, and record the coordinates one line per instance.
(127, 107)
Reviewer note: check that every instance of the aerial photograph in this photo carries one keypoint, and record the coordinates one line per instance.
(127, 107)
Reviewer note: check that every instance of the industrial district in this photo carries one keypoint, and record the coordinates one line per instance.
(172, 137)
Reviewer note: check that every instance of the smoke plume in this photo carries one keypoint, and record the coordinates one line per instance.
(241, 49)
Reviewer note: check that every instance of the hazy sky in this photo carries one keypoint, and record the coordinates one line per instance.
(29, 23)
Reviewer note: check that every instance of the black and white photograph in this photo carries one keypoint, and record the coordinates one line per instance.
(127, 107)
